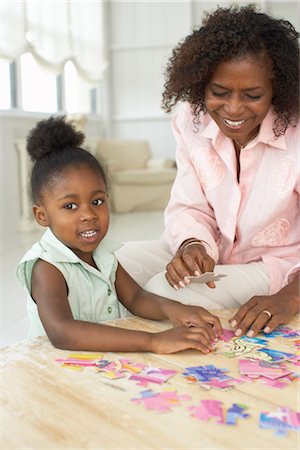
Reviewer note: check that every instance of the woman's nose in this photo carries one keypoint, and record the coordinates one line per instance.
(234, 107)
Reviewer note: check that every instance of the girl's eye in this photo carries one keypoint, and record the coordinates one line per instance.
(70, 206)
(97, 202)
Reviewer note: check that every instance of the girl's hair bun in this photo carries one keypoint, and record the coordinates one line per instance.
(52, 135)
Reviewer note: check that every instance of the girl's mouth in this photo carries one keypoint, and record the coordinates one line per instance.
(88, 234)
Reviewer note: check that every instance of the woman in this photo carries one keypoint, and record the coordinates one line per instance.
(234, 206)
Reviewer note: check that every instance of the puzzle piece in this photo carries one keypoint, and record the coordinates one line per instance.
(80, 359)
(210, 376)
(208, 409)
(129, 366)
(254, 340)
(206, 277)
(236, 411)
(236, 347)
(206, 373)
(161, 402)
(225, 385)
(283, 331)
(280, 421)
(227, 335)
(275, 355)
(255, 369)
(109, 369)
(153, 375)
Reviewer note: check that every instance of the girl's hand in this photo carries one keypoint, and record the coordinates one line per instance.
(193, 316)
(181, 338)
(264, 313)
(189, 261)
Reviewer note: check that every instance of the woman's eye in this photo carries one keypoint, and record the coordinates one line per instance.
(254, 97)
(70, 206)
(97, 202)
(219, 94)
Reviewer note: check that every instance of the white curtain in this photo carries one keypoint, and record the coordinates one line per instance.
(13, 42)
(54, 32)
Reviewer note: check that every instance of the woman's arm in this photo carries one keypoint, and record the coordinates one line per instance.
(188, 213)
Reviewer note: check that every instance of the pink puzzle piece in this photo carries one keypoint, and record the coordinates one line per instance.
(161, 402)
(153, 375)
(227, 335)
(129, 366)
(208, 409)
(254, 369)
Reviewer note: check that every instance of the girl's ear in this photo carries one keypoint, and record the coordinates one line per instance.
(40, 215)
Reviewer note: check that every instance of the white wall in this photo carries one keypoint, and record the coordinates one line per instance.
(140, 37)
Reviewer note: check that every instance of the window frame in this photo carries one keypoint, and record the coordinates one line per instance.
(16, 109)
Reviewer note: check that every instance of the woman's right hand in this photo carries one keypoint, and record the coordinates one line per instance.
(191, 260)
(182, 338)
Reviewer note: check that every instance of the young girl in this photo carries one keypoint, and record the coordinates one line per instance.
(72, 276)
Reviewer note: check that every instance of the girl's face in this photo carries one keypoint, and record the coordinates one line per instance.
(75, 207)
(238, 97)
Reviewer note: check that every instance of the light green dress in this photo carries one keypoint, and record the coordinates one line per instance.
(92, 295)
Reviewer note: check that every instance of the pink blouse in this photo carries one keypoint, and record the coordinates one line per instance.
(257, 218)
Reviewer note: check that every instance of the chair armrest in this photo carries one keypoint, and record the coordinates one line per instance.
(160, 163)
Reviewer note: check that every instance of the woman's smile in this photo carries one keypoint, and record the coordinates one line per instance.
(238, 97)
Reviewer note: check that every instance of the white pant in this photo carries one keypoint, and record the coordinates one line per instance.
(146, 261)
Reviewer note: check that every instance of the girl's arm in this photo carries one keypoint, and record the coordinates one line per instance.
(49, 291)
(151, 306)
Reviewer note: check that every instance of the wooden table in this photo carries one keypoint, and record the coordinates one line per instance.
(45, 406)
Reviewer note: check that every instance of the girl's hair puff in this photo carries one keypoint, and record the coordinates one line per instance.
(54, 146)
(231, 33)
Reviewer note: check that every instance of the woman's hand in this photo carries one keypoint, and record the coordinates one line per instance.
(191, 260)
(181, 338)
(266, 312)
(193, 316)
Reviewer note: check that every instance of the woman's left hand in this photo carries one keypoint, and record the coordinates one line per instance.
(266, 312)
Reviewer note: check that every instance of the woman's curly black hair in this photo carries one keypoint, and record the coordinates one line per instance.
(54, 146)
(230, 33)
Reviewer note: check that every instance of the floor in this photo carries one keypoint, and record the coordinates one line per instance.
(14, 323)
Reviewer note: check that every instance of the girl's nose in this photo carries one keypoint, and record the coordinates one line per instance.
(87, 213)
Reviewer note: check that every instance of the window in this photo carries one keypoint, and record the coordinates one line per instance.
(43, 91)
(59, 56)
(5, 85)
(79, 95)
(39, 90)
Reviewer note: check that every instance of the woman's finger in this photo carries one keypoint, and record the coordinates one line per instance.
(272, 324)
(261, 321)
(242, 312)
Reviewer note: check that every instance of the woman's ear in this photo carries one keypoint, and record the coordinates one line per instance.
(40, 215)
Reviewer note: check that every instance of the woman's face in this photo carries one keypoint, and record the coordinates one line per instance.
(239, 95)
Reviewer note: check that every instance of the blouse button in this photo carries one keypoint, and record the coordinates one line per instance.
(109, 291)
(109, 309)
